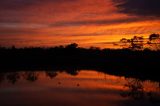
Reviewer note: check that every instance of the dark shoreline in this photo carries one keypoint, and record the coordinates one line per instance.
(144, 65)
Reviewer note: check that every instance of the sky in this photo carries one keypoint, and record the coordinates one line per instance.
(44, 23)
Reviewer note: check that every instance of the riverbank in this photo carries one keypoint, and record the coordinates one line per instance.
(123, 62)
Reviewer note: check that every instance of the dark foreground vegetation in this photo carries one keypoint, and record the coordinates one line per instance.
(71, 58)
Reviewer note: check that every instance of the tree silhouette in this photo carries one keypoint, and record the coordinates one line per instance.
(72, 46)
(125, 43)
(140, 43)
(137, 42)
(154, 36)
(154, 41)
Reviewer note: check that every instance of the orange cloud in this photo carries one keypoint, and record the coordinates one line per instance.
(55, 22)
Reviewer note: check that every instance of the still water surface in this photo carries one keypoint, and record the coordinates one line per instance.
(86, 88)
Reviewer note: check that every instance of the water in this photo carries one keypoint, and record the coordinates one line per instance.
(85, 88)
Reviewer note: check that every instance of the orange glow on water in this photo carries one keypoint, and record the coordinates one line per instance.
(62, 88)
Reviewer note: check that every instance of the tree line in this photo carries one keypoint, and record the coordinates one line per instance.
(141, 43)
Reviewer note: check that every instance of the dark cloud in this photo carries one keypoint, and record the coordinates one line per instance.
(139, 7)
(19, 10)
(19, 4)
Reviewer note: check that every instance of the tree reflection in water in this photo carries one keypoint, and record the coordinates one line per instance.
(2, 77)
(72, 71)
(137, 91)
(135, 87)
(51, 74)
(31, 76)
(13, 77)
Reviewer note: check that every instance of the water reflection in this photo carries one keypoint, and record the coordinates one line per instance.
(13, 77)
(70, 88)
(30, 76)
(139, 91)
(135, 89)
(51, 75)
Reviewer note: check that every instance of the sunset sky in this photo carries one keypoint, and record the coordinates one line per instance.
(86, 22)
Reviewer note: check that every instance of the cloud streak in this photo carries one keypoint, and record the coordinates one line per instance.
(95, 22)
